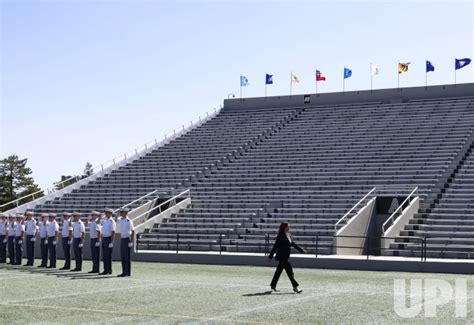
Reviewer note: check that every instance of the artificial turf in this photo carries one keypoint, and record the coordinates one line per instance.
(179, 293)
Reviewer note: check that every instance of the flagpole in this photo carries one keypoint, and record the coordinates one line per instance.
(343, 83)
(455, 76)
(371, 76)
(316, 80)
(291, 82)
(265, 88)
(426, 73)
(398, 76)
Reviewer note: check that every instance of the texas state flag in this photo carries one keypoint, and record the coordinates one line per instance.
(320, 76)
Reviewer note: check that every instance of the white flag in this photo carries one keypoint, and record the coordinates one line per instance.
(295, 78)
(374, 68)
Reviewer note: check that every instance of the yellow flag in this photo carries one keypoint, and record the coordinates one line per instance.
(403, 67)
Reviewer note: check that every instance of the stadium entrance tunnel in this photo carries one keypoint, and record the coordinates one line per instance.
(374, 226)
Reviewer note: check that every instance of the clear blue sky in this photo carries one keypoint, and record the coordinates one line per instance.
(87, 80)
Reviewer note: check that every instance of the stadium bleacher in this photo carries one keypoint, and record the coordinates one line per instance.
(449, 226)
(168, 166)
(251, 167)
(315, 168)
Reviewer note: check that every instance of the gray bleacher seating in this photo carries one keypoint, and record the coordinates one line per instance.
(315, 169)
(250, 169)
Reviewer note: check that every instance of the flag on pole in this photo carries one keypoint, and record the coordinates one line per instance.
(347, 73)
(403, 67)
(268, 79)
(294, 78)
(429, 66)
(374, 69)
(320, 76)
(243, 81)
(461, 63)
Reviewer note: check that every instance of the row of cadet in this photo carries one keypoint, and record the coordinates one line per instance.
(14, 229)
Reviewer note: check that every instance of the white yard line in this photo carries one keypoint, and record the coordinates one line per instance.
(80, 294)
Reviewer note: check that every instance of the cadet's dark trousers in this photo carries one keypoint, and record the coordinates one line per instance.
(125, 256)
(284, 264)
(107, 254)
(67, 253)
(95, 256)
(52, 252)
(44, 251)
(11, 249)
(77, 253)
(3, 249)
(18, 250)
(30, 250)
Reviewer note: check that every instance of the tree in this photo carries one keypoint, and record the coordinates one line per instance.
(88, 171)
(16, 180)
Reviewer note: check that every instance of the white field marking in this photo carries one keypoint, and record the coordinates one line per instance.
(80, 293)
(124, 313)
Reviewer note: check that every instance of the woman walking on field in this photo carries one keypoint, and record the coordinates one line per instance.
(282, 247)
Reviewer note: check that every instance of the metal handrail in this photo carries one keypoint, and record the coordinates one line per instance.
(112, 162)
(391, 218)
(137, 200)
(352, 209)
(163, 203)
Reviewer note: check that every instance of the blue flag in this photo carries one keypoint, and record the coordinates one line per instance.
(429, 66)
(268, 79)
(347, 73)
(461, 63)
(243, 81)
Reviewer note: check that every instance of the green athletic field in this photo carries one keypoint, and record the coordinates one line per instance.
(177, 293)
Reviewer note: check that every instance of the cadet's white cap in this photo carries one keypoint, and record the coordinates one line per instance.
(76, 214)
(45, 215)
(109, 210)
(29, 213)
(11, 215)
(3, 215)
(95, 213)
(66, 214)
(52, 215)
(124, 210)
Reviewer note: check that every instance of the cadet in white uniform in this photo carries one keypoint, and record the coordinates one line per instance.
(11, 238)
(43, 234)
(78, 232)
(30, 229)
(127, 234)
(3, 238)
(19, 235)
(66, 240)
(95, 230)
(108, 235)
(53, 235)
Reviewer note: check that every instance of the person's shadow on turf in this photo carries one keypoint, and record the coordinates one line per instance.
(265, 293)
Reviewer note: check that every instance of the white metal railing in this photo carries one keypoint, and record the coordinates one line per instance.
(152, 193)
(127, 156)
(392, 218)
(172, 201)
(340, 221)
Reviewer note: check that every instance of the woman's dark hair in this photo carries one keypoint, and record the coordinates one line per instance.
(283, 226)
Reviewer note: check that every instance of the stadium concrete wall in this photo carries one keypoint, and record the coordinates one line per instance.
(392, 95)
